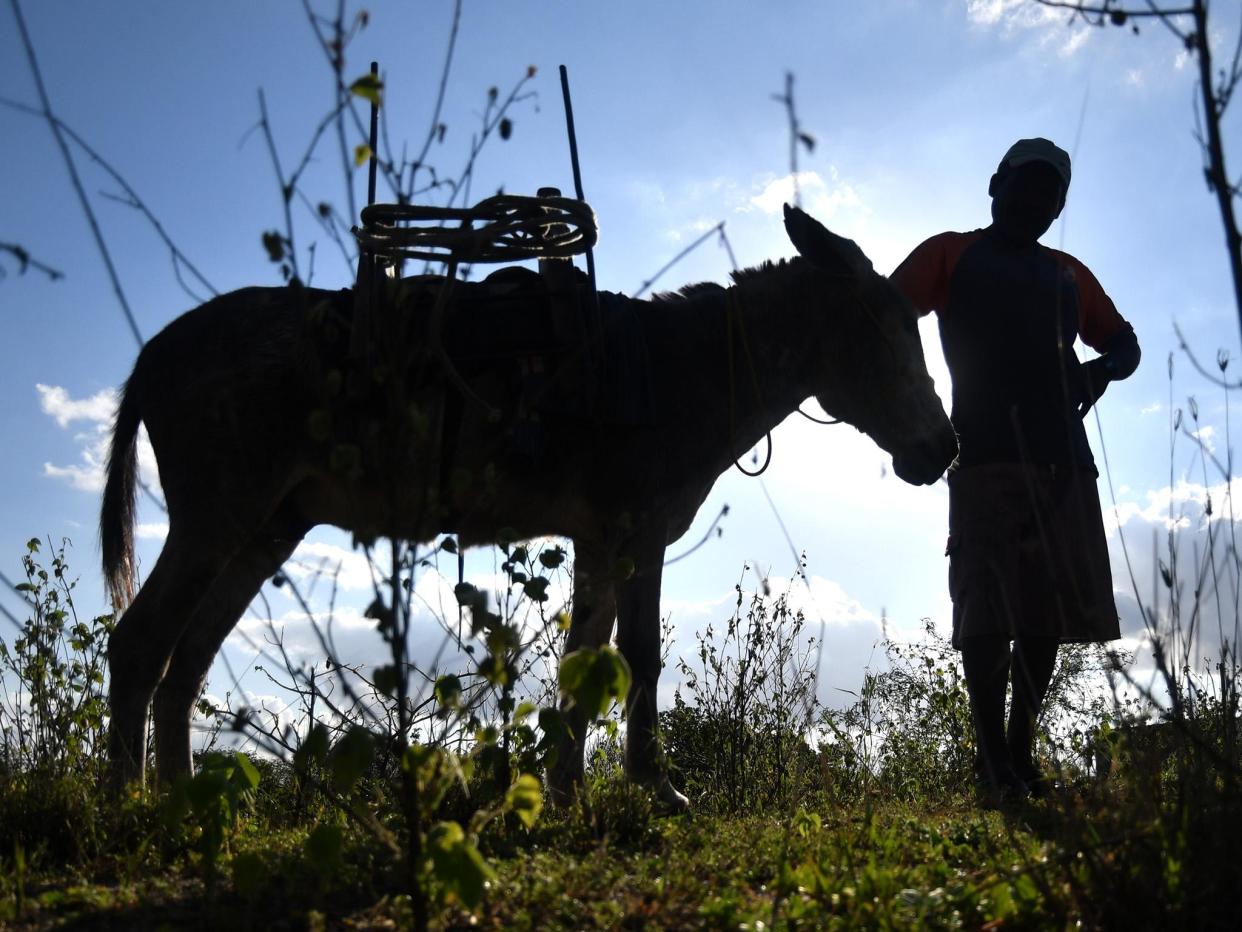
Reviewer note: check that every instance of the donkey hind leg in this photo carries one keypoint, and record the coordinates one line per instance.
(594, 609)
(143, 641)
(638, 636)
(216, 616)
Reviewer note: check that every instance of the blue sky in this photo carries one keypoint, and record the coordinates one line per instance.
(911, 105)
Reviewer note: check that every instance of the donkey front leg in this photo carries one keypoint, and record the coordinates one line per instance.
(594, 610)
(638, 637)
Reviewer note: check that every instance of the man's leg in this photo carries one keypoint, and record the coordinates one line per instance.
(985, 660)
(1034, 659)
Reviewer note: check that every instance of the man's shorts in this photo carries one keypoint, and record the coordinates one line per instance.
(1027, 554)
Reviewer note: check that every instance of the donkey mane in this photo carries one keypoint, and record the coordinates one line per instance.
(700, 289)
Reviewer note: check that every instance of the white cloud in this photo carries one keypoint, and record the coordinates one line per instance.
(97, 411)
(1024, 17)
(1179, 507)
(99, 408)
(1076, 40)
(85, 478)
(1171, 558)
(157, 530)
(824, 600)
(1206, 435)
(820, 199)
(1010, 15)
(348, 569)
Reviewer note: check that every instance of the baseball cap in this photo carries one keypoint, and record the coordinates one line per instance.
(1039, 150)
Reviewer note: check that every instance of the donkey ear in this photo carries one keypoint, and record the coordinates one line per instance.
(827, 250)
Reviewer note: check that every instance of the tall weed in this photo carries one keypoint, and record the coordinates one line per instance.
(53, 715)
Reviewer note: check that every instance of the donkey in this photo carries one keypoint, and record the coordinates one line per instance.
(232, 391)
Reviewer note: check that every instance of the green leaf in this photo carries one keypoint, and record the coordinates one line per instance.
(457, 864)
(467, 595)
(351, 757)
(313, 748)
(552, 558)
(323, 848)
(368, 87)
(385, 679)
(594, 678)
(525, 799)
(449, 545)
(245, 774)
(552, 724)
(274, 243)
(536, 589)
(362, 154)
(416, 755)
(448, 691)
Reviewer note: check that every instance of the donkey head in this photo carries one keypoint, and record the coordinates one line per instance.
(873, 374)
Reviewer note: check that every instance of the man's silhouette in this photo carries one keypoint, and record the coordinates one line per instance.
(1028, 561)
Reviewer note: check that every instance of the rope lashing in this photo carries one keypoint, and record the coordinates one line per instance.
(503, 228)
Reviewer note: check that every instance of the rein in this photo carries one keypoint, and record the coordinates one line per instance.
(733, 318)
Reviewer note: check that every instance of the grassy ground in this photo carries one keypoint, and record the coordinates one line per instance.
(875, 829)
(926, 865)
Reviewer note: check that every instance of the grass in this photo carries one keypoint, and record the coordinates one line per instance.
(1083, 857)
(878, 828)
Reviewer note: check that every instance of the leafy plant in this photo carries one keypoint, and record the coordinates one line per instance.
(741, 745)
(214, 800)
(53, 707)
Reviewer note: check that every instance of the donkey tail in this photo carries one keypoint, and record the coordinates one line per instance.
(116, 519)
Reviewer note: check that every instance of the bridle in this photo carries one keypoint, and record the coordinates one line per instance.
(735, 321)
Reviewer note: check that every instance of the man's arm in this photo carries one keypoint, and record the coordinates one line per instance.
(1119, 357)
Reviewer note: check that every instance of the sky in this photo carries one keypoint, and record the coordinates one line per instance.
(911, 104)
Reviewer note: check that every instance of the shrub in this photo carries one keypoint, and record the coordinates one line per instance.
(53, 716)
(741, 745)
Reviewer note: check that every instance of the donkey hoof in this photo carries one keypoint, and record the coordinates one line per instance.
(671, 800)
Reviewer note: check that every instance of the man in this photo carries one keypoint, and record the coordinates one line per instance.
(1028, 562)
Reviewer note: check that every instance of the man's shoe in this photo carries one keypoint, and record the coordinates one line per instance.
(998, 786)
(1040, 784)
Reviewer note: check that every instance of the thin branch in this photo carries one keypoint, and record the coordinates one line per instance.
(131, 199)
(434, 130)
(286, 190)
(1108, 10)
(718, 228)
(715, 528)
(331, 223)
(796, 136)
(25, 262)
(83, 200)
(1213, 101)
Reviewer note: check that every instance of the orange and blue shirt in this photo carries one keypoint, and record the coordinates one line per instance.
(1009, 316)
